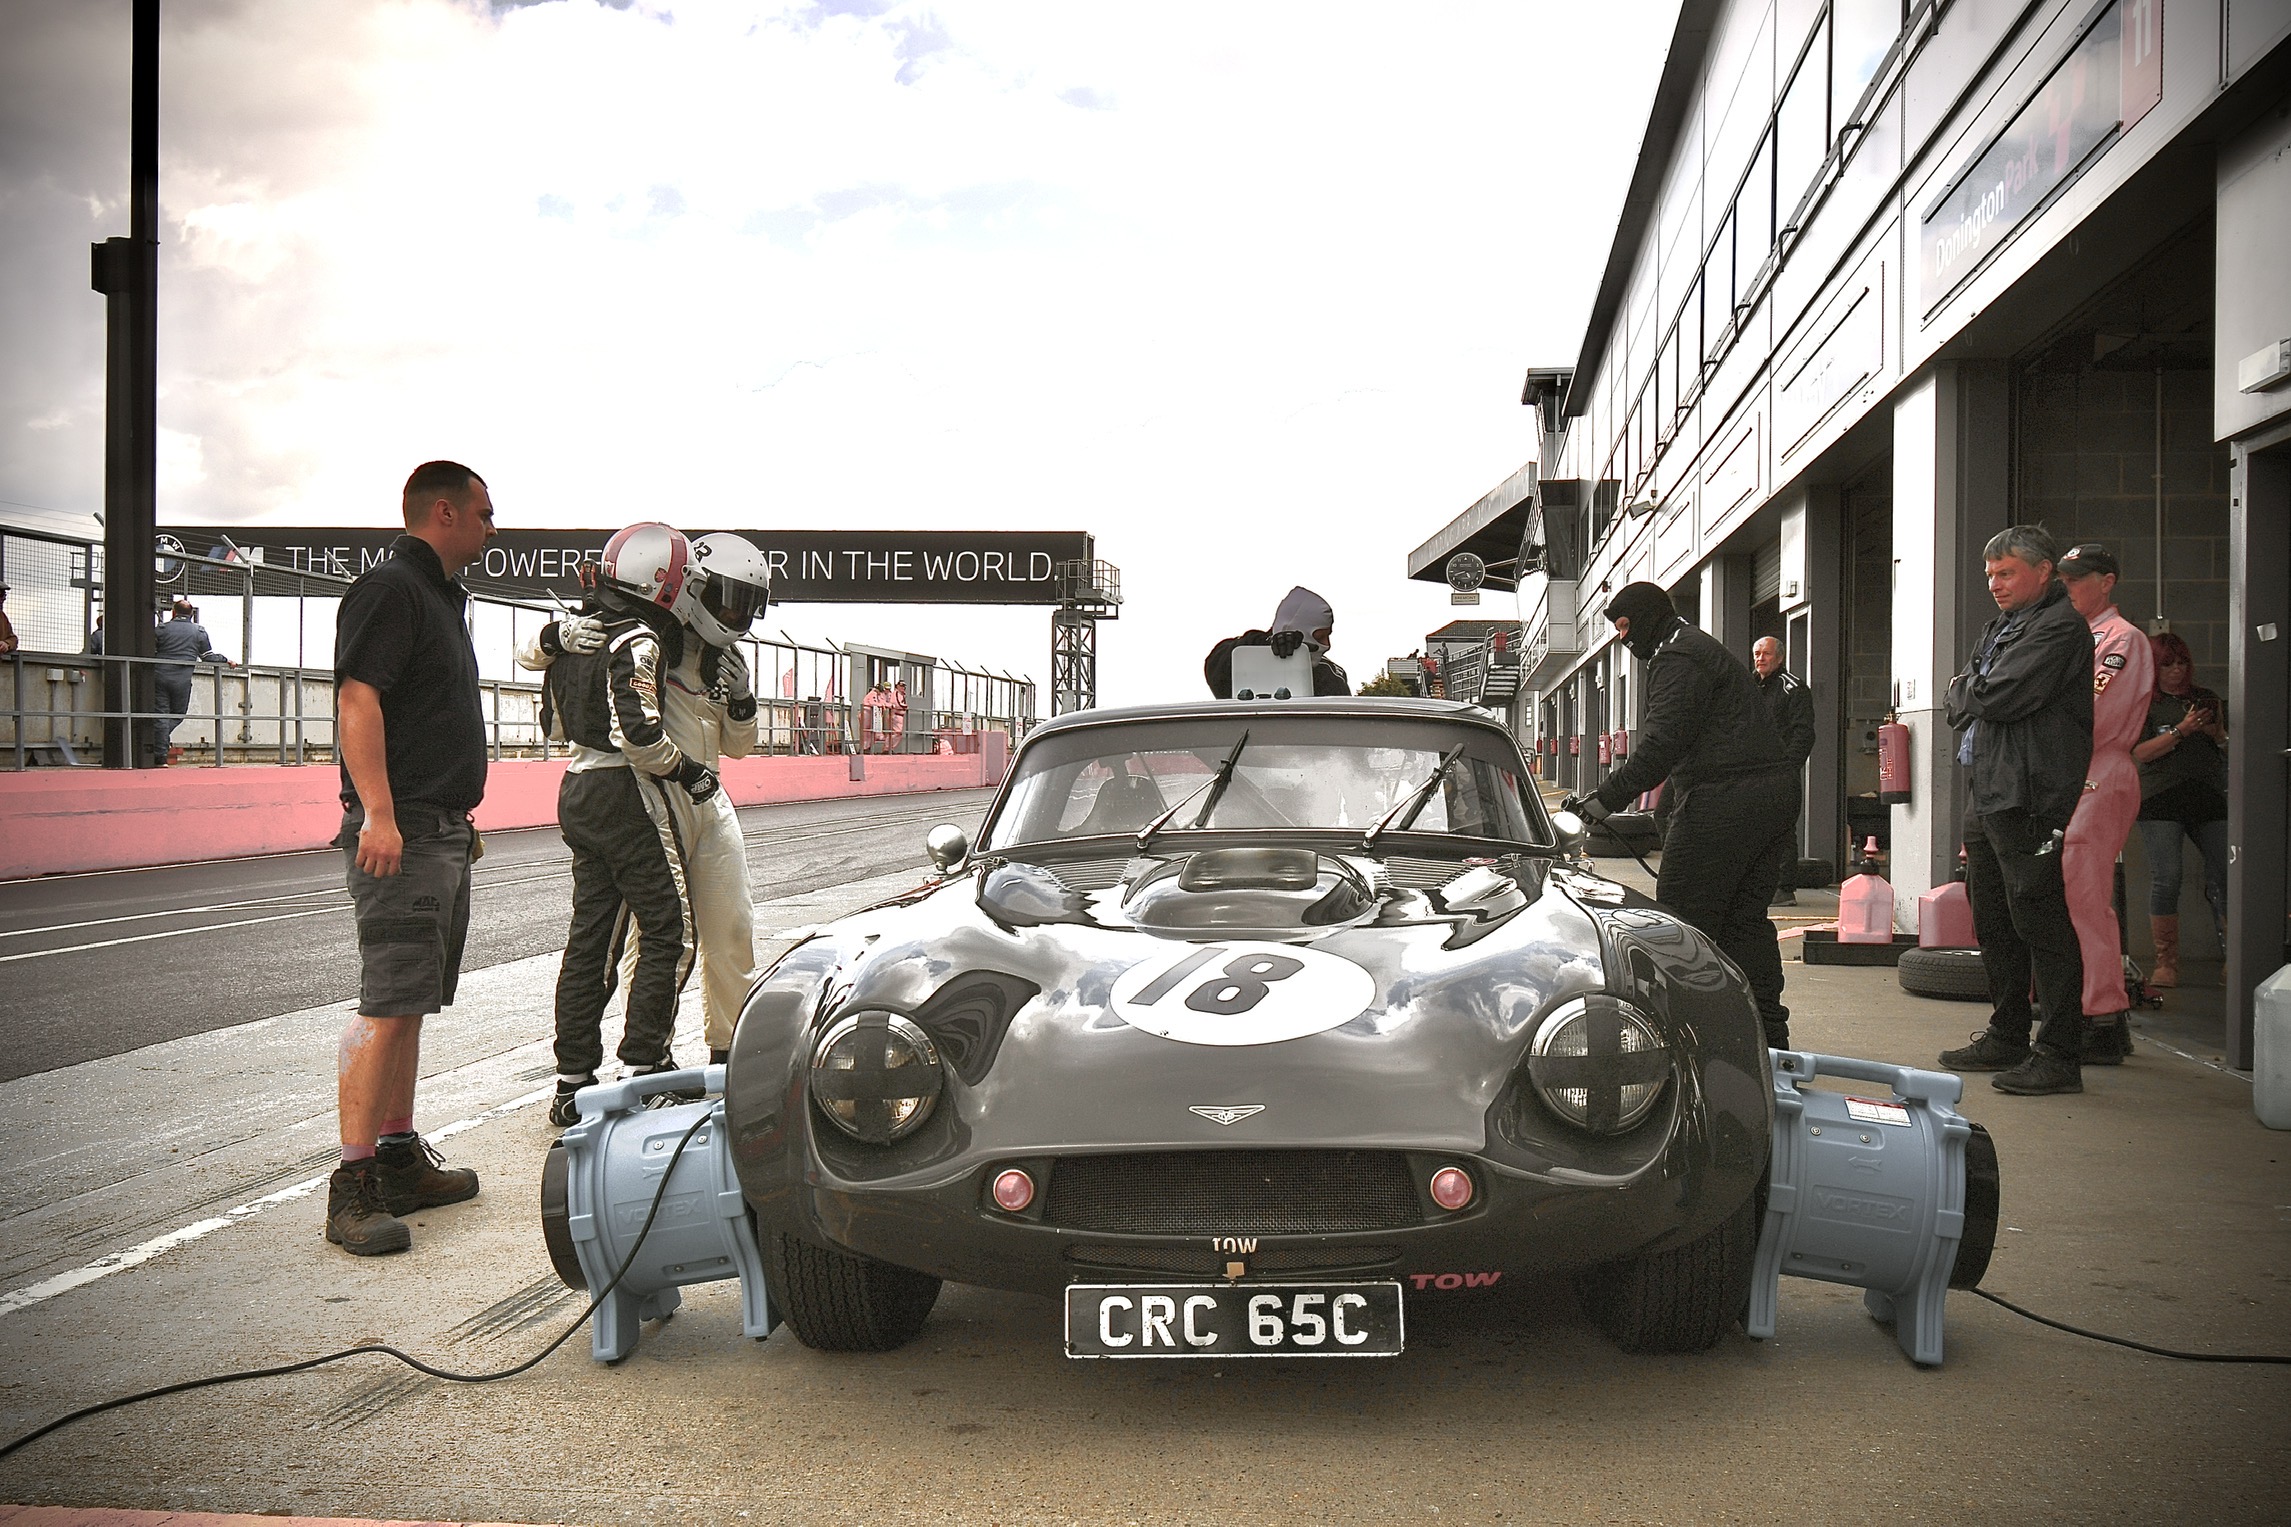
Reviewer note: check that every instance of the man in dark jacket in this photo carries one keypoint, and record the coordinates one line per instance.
(1791, 705)
(2024, 704)
(178, 642)
(1705, 727)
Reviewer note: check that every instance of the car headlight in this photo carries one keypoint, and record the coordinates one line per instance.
(1599, 1063)
(877, 1076)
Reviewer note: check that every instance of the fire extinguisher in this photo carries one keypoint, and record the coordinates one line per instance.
(1574, 745)
(1622, 747)
(1606, 750)
(1893, 761)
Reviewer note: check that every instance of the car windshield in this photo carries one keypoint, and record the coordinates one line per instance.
(1314, 773)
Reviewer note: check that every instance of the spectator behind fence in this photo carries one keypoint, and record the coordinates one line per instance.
(2182, 754)
(8, 641)
(2024, 705)
(179, 642)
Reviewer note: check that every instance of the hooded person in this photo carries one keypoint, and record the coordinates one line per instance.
(1303, 619)
(1705, 727)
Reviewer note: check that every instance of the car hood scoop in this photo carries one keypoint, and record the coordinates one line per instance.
(1248, 892)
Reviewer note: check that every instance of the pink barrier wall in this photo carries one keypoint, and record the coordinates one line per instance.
(59, 821)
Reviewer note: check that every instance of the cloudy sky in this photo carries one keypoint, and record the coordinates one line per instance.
(1245, 290)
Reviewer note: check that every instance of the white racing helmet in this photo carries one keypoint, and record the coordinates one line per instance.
(651, 563)
(733, 583)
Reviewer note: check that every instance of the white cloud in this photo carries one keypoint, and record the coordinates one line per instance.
(1246, 291)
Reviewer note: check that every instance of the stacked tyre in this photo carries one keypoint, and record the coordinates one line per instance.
(1952, 975)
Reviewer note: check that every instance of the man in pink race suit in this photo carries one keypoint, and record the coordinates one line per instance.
(2123, 680)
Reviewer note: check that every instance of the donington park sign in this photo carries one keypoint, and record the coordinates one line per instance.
(808, 566)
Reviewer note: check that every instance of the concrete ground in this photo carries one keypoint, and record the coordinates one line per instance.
(159, 1224)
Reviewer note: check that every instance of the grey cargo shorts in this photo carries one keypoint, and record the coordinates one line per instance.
(411, 925)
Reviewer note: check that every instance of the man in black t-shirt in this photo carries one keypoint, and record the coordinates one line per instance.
(410, 731)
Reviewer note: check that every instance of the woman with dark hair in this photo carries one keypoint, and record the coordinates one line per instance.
(2183, 791)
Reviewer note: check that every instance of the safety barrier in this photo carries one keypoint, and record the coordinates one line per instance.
(56, 821)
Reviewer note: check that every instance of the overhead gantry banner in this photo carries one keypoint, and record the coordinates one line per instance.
(808, 566)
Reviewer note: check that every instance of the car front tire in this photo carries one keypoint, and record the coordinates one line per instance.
(840, 1302)
(1680, 1300)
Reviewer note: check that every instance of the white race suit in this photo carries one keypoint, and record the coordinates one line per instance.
(698, 722)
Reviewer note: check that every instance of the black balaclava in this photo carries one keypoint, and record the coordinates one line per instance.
(1648, 607)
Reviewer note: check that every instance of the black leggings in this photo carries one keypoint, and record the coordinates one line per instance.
(1721, 863)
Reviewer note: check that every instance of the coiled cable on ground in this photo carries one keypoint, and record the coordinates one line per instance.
(380, 1348)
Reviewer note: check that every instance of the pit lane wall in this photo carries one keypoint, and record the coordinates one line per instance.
(64, 821)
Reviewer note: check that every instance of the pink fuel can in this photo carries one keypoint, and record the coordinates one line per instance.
(1865, 905)
(1945, 918)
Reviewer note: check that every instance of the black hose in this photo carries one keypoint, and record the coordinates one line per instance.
(2121, 1341)
(380, 1348)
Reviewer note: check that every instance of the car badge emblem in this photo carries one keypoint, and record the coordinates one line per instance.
(1227, 1116)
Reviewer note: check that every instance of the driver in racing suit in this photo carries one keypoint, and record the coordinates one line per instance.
(615, 805)
(708, 703)
(2123, 680)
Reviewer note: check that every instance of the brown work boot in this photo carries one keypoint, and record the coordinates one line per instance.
(356, 1220)
(414, 1176)
(2167, 933)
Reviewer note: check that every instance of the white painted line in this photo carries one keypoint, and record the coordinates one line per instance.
(200, 911)
(145, 938)
(2212, 1065)
(158, 1246)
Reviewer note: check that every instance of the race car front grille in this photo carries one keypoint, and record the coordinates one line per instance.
(1233, 1193)
(1190, 1262)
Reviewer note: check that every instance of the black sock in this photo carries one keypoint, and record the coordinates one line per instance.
(719, 1057)
(403, 1137)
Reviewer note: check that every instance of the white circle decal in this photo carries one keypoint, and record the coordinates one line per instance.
(1241, 993)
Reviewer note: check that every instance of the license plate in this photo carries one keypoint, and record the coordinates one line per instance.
(1234, 1320)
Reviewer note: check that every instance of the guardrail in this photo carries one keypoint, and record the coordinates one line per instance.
(52, 715)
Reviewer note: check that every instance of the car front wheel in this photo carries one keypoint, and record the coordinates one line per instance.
(840, 1302)
(1680, 1300)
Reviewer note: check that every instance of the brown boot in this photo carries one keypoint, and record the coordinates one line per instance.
(356, 1218)
(412, 1177)
(2167, 936)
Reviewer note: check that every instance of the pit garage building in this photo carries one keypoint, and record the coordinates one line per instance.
(1889, 276)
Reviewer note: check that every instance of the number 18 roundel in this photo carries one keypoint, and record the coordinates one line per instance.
(1241, 993)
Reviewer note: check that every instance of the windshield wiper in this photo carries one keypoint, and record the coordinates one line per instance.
(1414, 802)
(1214, 787)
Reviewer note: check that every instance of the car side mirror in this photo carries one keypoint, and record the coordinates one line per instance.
(1573, 834)
(948, 846)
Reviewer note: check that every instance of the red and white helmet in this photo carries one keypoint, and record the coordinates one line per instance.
(651, 563)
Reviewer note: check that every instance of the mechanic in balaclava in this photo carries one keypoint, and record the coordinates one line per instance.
(708, 701)
(1304, 619)
(616, 805)
(1705, 727)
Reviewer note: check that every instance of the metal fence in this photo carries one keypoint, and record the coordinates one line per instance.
(279, 708)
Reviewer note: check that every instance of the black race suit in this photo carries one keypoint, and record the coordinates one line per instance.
(1706, 728)
(626, 862)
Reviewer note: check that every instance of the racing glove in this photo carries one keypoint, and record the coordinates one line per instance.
(1587, 806)
(726, 673)
(572, 633)
(1285, 643)
(699, 781)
